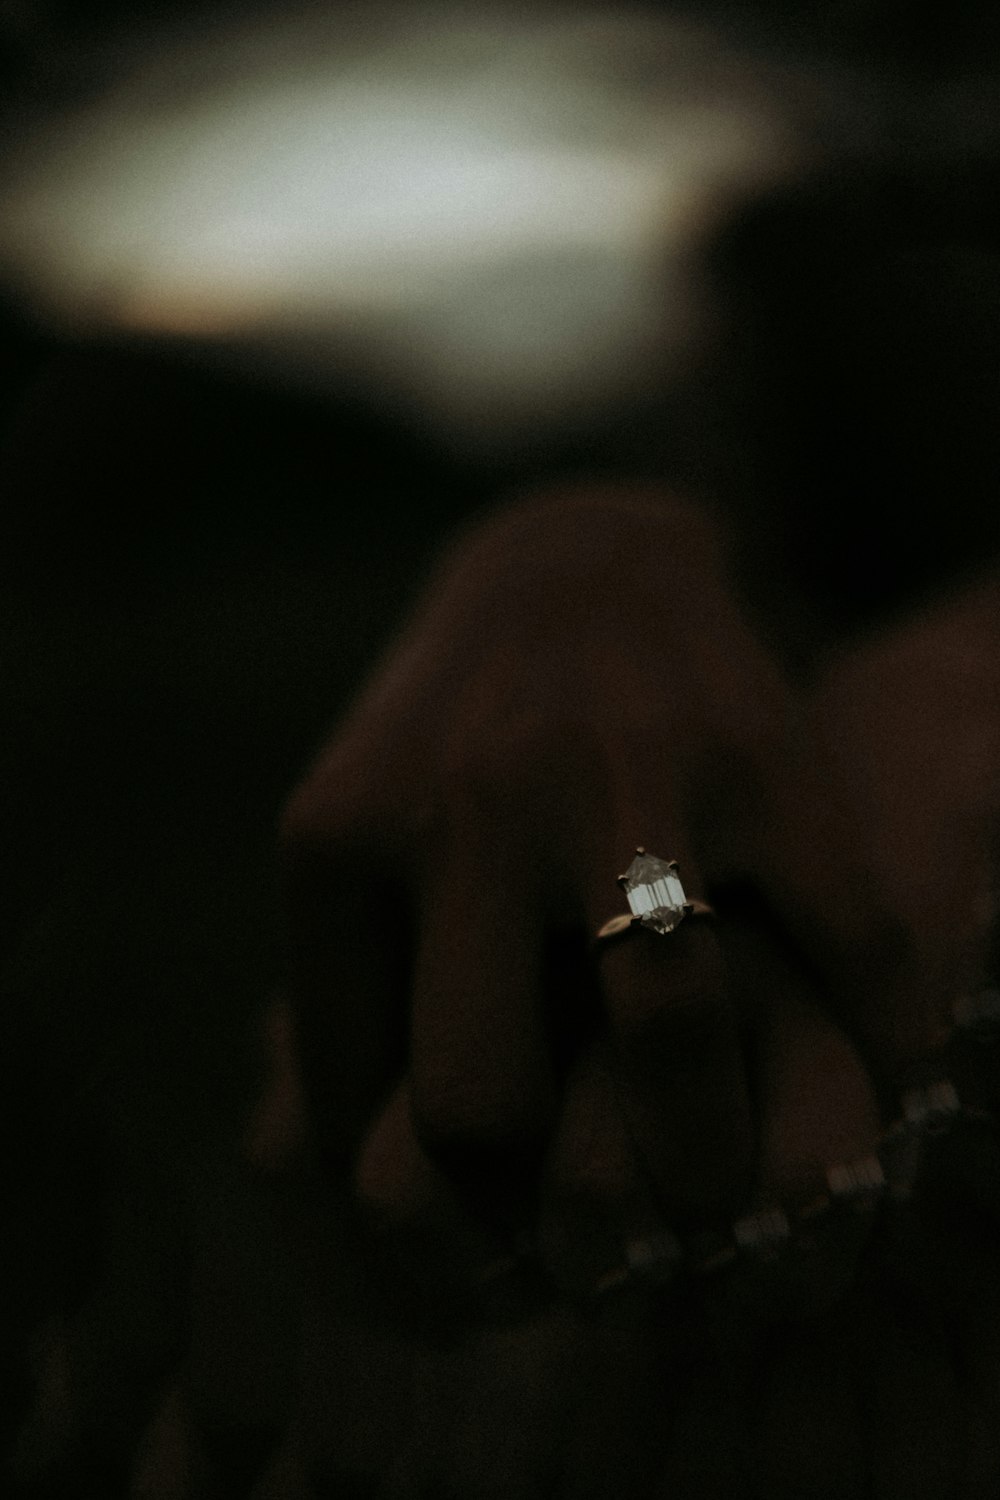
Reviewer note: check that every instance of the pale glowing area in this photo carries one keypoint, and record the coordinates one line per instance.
(377, 226)
(489, 207)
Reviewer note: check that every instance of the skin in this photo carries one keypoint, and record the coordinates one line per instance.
(583, 680)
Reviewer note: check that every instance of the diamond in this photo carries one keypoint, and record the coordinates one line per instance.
(857, 1180)
(762, 1232)
(656, 1253)
(655, 894)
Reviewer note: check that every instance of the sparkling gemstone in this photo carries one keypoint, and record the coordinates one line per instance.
(857, 1179)
(762, 1232)
(655, 894)
(655, 1253)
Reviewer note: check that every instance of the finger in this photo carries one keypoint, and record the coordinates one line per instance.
(818, 1130)
(170, 1463)
(817, 1105)
(890, 970)
(679, 1068)
(483, 1091)
(348, 941)
(275, 1132)
(436, 1258)
(599, 1227)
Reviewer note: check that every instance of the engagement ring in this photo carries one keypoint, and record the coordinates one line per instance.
(656, 898)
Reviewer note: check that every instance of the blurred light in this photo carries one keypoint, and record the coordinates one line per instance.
(488, 211)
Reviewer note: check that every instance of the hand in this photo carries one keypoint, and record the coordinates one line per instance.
(582, 681)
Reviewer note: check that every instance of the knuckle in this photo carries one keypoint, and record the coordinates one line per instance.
(315, 818)
(330, 838)
(296, 832)
(388, 1195)
(469, 1143)
(352, 794)
(535, 769)
(393, 1178)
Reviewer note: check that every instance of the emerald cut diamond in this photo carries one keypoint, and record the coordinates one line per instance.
(655, 895)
